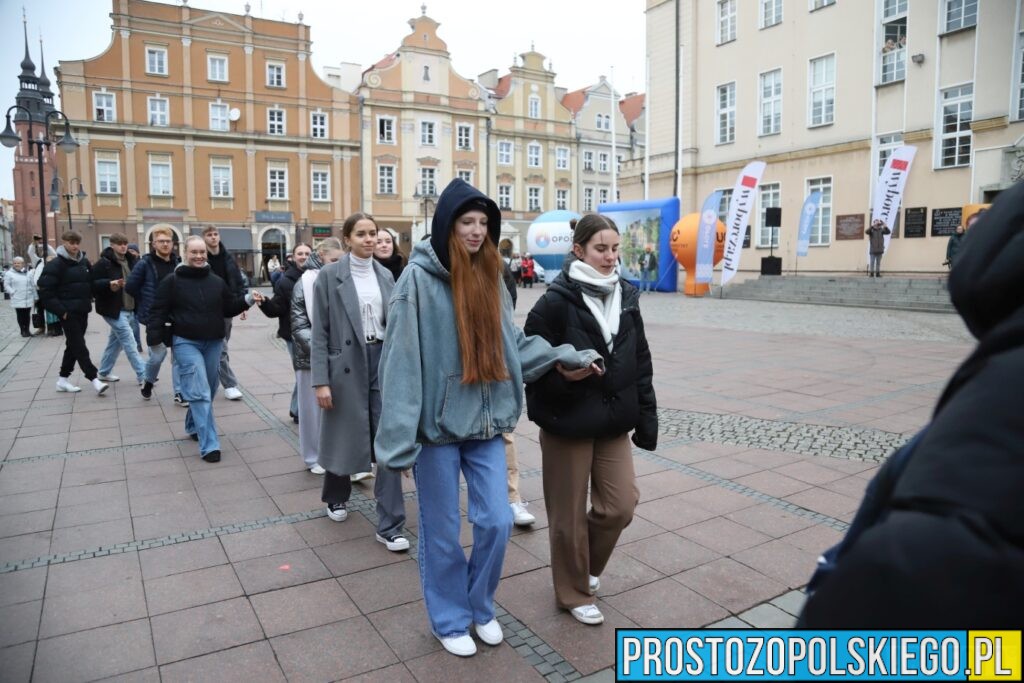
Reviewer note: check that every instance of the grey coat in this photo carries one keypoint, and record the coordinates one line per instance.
(338, 360)
(302, 333)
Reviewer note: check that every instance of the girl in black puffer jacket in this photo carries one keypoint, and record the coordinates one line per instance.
(585, 424)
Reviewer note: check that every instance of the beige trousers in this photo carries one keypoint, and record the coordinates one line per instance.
(512, 464)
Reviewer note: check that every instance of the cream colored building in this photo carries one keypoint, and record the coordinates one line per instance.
(823, 90)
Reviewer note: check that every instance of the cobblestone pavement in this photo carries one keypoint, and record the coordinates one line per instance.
(122, 553)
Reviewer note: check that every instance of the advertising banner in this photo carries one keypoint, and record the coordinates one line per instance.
(807, 215)
(706, 237)
(742, 202)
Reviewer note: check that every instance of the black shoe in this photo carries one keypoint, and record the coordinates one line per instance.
(212, 456)
(295, 418)
(147, 390)
(180, 401)
(26, 333)
(194, 437)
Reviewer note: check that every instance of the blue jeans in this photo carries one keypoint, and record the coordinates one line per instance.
(157, 354)
(293, 407)
(648, 280)
(121, 339)
(135, 333)
(197, 360)
(457, 592)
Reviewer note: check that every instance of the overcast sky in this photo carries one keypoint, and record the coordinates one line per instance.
(584, 39)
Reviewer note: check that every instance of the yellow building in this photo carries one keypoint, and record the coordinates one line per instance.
(194, 117)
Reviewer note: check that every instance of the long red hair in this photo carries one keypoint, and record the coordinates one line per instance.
(475, 282)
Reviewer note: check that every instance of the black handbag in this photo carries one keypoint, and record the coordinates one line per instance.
(37, 320)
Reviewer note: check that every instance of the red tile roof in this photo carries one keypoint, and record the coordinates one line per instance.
(503, 86)
(631, 107)
(573, 101)
(387, 61)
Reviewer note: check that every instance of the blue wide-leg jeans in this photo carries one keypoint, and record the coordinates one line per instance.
(122, 339)
(198, 361)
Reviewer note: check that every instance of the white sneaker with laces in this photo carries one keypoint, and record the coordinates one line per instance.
(64, 384)
(588, 614)
(359, 476)
(520, 515)
(395, 543)
(316, 469)
(232, 393)
(460, 646)
(110, 378)
(594, 584)
(490, 632)
(99, 386)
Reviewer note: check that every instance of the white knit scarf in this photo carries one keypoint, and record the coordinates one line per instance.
(603, 296)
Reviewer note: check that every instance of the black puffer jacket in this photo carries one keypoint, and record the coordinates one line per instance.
(947, 550)
(223, 265)
(280, 305)
(192, 303)
(65, 285)
(597, 407)
(108, 302)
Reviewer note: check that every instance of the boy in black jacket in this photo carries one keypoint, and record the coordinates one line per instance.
(117, 307)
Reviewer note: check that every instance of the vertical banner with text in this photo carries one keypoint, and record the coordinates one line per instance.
(706, 236)
(743, 194)
(889, 189)
(807, 215)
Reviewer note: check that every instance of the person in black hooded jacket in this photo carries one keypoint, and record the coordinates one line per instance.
(585, 424)
(938, 541)
(117, 306)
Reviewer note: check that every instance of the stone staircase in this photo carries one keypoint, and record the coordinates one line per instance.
(926, 293)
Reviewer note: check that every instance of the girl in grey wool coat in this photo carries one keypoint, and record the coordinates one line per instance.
(350, 300)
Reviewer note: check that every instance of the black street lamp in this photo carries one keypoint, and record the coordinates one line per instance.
(425, 193)
(55, 195)
(67, 143)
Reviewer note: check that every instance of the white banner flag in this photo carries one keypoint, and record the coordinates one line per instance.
(743, 194)
(889, 189)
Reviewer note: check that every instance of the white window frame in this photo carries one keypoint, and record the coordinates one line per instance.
(963, 125)
(819, 4)
(1018, 91)
(505, 197)
(219, 123)
(112, 108)
(157, 186)
(221, 188)
(275, 71)
(769, 106)
(893, 9)
(561, 199)
(725, 15)
(277, 185)
(386, 135)
(428, 180)
(321, 127)
(821, 229)
(887, 144)
(825, 89)
(602, 162)
(562, 158)
(465, 175)
(893, 66)
(386, 179)
(723, 203)
(588, 160)
(211, 70)
(533, 107)
(534, 198)
(464, 137)
(762, 243)
(506, 153)
(588, 199)
(108, 173)
(165, 114)
(770, 13)
(428, 134)
(959, 14)
(156, 60)
(725, 113)
(602, 195)
(534, 155)
(320, 183)
(276, 127)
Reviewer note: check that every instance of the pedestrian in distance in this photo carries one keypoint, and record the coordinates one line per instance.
(65, 288)
(526, 270)
(117, 306)
(876, 246)
(20, 286)
(648, 269)
(223, 264)
(387, 252)
(516, 266)
(452, 373)
(188, 314)
(585, 422)
(328, 251)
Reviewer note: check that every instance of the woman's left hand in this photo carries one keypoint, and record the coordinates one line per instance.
(579, 373)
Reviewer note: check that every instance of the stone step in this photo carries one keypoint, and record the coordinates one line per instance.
(930, 307)
(915, 294)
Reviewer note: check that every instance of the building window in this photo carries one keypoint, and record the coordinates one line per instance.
(427, 133)
(957, 111)
(321, 184)
(821, 229)
(894, 41)
(160, 176)
(588, 199)
(428, 181)
(771, 103)
(275, 75)
(602, 162)
(821, 97)
(318, 124)
(770, 196)
(893, 8)
(602, 196)
(726, 21)
(464, 136)
(886, 145)
(1020, 76)
(275, 121)
(818, 4)
(505, 152)
(961, 14)
(220, 178)
(588, 160)
(533, 155)
(103, 107)
(465, 175)
(533, 195)
(723, 204)
(562, 200)
(604, 121)
(505, 197)
(277, 183)
(218, 116)
(157, 111)
(562, 158)
(386, 130)
(771, 13)
(217, 68)
(534, 107)
(726, 113)
(156, 61)
(108, 173)
(385, 179)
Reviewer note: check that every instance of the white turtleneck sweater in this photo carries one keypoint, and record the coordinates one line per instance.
(371, 304)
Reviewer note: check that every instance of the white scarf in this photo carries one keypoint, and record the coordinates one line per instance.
(606, 309)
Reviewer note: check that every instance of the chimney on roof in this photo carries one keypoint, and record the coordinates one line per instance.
(488, 79)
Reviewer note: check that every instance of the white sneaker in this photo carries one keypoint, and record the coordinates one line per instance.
(64, 384)
(460, 646)
(359, 476)
(490, 632)
(396, 543)
(338, 513)
(594, 584)
(588, 614)
(232, 393)
(110, 378)
(316, 469)
(521, 516)
(99, 386)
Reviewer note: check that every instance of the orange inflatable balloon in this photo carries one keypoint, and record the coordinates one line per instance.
(683, 242)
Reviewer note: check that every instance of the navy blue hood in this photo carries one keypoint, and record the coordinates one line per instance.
(458, 198)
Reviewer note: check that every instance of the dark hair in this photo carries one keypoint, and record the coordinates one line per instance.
(350, 223)
(588, 226)
(210, 228)
(71, 236)
(118, 238)
(301, 244)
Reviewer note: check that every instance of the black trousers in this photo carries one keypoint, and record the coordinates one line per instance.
(76, 350)
(24, 316)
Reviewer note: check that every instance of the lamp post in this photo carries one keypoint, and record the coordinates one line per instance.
(67, 143)
(55, 195)
(425, 193)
